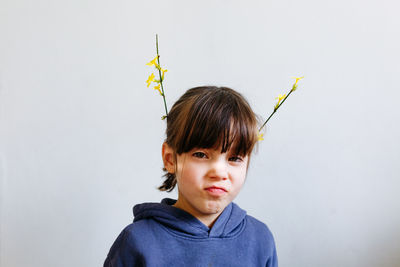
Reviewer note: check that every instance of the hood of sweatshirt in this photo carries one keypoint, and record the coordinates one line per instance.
(229, 223)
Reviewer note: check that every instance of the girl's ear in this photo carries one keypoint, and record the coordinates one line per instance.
(168, 158)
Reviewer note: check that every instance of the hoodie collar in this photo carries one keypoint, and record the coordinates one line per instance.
(183, 223)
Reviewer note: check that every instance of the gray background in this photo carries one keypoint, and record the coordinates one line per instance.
(81, 134)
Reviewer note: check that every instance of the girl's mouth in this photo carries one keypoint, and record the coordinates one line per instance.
(216, 191)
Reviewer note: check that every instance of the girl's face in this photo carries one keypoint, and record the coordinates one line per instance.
(208, 181)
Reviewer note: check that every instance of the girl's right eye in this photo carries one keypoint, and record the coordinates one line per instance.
(199, 155)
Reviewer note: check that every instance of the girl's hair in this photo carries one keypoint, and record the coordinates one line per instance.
(210, 117)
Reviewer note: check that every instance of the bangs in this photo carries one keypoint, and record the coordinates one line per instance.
(219, 120)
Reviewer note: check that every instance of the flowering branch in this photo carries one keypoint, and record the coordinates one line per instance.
(161, 73)
(277, 106)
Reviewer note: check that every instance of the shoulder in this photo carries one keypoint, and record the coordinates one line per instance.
(253, 226)
(259, 229)
(128, 248)
(136, 234)
(264, 240)
(259, 225)
(140, 230)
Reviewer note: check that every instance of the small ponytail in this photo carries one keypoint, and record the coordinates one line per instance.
(169, 182)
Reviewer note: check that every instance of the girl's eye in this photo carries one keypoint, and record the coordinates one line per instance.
(199, 155)
(236, 159)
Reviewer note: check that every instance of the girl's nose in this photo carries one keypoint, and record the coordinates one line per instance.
(219, 169)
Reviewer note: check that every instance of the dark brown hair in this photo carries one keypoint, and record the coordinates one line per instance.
(210, 117)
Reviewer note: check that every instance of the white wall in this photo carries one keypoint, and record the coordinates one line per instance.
(81, 134)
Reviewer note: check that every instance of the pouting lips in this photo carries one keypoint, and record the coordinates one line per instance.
(216, 188)
(216, 191)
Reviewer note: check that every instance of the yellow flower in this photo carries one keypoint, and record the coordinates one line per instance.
(280, 97)
(157, 87)
(260, 137)
(150, 79)
(153, 62)
(295, 84)
(297, 79)
(163, 71)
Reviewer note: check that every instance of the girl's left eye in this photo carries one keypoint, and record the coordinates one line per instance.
(236, 159)
(199, 155)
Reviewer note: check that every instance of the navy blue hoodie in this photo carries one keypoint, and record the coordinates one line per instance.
(163, 235)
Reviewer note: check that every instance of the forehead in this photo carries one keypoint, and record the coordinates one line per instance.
(220, 120)
(217, 150)
(235, 140)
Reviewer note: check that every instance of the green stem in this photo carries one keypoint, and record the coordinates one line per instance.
(275, 110)
(159, 74)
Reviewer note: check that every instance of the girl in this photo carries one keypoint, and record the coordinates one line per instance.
(211, 132)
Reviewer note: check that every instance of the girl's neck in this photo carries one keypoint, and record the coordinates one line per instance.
(206, 219)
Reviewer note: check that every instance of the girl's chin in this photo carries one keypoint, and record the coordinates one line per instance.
(214, 207)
